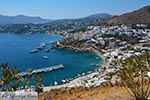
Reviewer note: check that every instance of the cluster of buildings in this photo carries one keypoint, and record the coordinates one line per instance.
(60, 28)
(102, 34)
(114, 43)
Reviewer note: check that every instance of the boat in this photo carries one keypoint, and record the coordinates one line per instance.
(98, 65)
(42, 85)
(33, 51)
(53, 50)
(47, 50)
(55, 83)
(45, 57)
(64, 81)
(79, 75)
(92, 64)
(83, 74)
(67, 80)
(42, 44)
(40, 48)
(77, 50)
(97, 58)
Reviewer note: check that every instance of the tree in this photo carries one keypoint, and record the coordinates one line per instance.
(134, 74)
(38, 80)
(26, 79)
(10, 79)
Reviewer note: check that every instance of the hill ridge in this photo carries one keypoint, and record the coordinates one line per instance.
(140, 16)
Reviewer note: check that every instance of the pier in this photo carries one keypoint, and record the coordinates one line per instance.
(43, 70)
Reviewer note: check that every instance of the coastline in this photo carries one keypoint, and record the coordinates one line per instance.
(100, 54)
(79, 80)
(85, 73)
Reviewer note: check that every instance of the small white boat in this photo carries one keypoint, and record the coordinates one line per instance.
(45, 57)
(64, 81)
(83, 74)
(97, 58)
(67, 80)
(92, 64)
(79, 75)
(53, 50)
(55, 83)
(77, 50)
(42, 45)
(33, 51)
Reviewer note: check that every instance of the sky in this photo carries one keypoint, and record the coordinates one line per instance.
(61, 9)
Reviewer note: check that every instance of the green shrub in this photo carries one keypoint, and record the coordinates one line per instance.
(133, 73)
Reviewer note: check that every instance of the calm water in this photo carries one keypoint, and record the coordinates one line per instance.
(15, 50)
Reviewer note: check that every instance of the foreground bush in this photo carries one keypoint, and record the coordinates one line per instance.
(135, 75)
(10, 79)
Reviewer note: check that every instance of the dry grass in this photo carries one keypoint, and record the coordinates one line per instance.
(98, 93)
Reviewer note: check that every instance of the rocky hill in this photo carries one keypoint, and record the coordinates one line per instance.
(140, 16)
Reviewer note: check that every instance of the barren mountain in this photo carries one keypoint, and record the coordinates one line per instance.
(141, 16)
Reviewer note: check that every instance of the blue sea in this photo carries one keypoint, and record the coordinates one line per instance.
(15, 50)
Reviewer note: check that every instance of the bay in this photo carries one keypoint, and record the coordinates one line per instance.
(15, 50)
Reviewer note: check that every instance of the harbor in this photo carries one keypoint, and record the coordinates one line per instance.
(74, 62)
(43, 70)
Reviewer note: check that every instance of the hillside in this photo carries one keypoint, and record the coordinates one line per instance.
(140, 16)
(99, 93)
(90, 18)
(21, 19)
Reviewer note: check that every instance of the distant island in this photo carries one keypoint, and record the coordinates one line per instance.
(21, 19)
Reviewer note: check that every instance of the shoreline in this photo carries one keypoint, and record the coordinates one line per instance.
(105, 64)
(77, 81)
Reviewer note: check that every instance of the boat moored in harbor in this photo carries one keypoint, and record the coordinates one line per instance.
(33, 51)
(45, 57)
(55, 83)
(47, 50)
